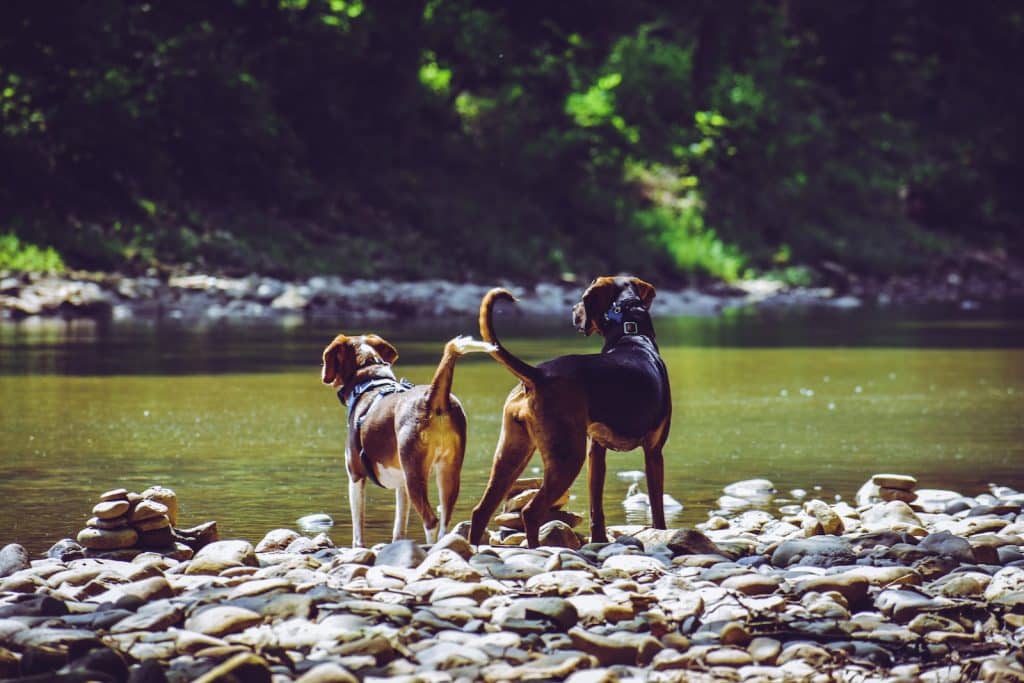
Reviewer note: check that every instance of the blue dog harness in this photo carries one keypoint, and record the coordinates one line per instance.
(387, 386)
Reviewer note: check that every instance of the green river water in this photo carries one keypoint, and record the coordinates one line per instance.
(234, 418)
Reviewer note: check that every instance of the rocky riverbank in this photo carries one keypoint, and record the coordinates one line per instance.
(969, 281)
(905, 585)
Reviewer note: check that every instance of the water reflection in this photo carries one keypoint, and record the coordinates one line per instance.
(235, 419)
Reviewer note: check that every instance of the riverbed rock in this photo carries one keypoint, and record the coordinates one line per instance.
(166, 497)
(404, 553)
(13, 558)
(220, 555)
(108, 539)
(147, 509)
(896, 481)
(818, 551)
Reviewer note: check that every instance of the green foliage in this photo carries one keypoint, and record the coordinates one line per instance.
(22, 256)
(512, 139)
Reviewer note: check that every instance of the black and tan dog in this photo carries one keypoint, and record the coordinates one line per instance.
(576, 407)
(399, 433)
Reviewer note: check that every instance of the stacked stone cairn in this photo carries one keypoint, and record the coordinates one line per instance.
(557, 529)
(125, 523)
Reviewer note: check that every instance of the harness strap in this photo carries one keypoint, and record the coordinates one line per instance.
(355, 426)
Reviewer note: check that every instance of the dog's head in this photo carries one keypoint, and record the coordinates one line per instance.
(344, 356)
(601, 294)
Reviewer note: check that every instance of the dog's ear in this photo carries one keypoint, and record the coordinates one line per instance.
(644, 290)
(593, 304)
(339, 361)
(388, 352)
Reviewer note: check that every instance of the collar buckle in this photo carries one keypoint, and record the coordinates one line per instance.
(630, 327)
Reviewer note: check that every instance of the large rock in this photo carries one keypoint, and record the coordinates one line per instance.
(165, 497)
(557, 611)
(819, 551)
(108, 539)
(220, 555)
(680, 541)
(446, 563)
(245, 666)
(558, 533)
(110, 509)
(895, 515)
(630, 649)
(147, 509)
(276, 540)
(404, 553)
(946, 544)
(13, 558)
(222, 620)
(894, 481)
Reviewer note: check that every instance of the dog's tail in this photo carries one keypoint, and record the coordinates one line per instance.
(521, 369)
(441, 384)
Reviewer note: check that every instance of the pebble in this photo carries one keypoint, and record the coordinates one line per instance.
(750, 597)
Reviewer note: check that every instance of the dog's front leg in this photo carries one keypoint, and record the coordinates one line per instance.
(595, 482)
(357, 503)
(401, 513)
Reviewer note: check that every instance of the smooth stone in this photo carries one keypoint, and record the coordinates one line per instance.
(153, 616)
(894, 481)
(764, 650)
(887, 494)
(961, 585)
(818, 551)
(945, 543)
(558, 534)
(303, 545)
(244, 666)
(852, 587)
(404, 553)
(903, 605)
(734, 633)
(315, 523)
(147, 509)
(220, 555)
(108, 539)
(66, 550)
(728, 656)
(923, 623)
(222, 620)
(165, 497)
(891, 515)
(277, 540)
(830, 522)
(454, 542)
(13, 558)
(750, 488)
(1006, 580)
(446, 563)
(33, 606)
(114, 494)
(328, 672)
(752, 583)
(813, 655)
(618, 648)
(558, 612)
(563, 582)
(111, 509)
(114, 523)
(683, 541)
(632, 566)
(595, 609)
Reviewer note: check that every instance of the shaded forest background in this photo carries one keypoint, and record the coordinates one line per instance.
(707, 139)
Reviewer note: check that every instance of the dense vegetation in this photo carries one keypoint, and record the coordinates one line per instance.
(473, 139)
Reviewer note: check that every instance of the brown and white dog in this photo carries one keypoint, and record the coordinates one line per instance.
(399, 433)
(573, 408)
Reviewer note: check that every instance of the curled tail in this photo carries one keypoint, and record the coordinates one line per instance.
(524, 371)
(441, 385)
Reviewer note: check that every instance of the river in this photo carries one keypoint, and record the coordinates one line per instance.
(233, 417)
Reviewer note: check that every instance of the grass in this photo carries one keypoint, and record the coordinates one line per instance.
(25, 257)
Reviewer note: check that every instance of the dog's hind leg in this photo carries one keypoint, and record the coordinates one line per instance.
(357, 503)
(510, 458)
(595, 482)
(416, 466)
(448, 473)
(563, 460)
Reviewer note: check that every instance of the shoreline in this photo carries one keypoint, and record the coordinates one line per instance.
(204, 297)
(905, 584)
